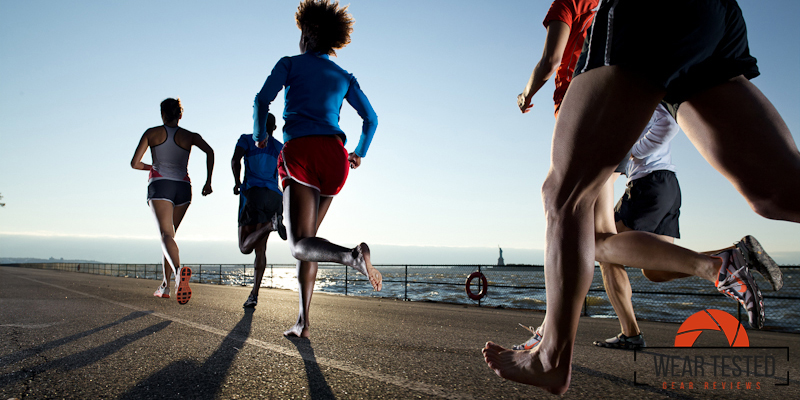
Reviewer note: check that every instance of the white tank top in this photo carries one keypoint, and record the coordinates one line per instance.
(170, 161)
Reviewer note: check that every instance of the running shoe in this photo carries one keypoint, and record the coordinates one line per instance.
(533, 341)
(623, 342)
(758, 259)
(251, 302)
(277, 223)
(736, 281)
(182, 291)
(162, 291)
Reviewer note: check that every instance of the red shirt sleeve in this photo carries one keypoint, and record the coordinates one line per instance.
(560, 10)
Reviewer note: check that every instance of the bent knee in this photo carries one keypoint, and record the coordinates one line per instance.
(656, 276)
(776, 208)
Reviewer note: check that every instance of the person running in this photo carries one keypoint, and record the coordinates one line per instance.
(260, 200)
(634, 248)
(169, 191)
(313, 164)
(632, 62)
(651, 203)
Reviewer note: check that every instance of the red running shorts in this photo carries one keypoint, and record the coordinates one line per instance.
(319, 162)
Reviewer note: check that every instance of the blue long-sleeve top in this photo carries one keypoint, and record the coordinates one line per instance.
(315, 88)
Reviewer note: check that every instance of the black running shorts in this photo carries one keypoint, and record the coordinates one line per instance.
(682, 46)
(176, 192)
(257, 205)
(651, 203)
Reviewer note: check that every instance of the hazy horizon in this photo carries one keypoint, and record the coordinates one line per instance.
(194, 251)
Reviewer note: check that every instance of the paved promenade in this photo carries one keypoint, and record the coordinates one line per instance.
(81, 336)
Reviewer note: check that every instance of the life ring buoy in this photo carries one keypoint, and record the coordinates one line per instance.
(484, 286)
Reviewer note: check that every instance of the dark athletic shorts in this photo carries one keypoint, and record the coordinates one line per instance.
(176, 192)
(319, 162)
(257, 205)
(683, 46)
(651, 203)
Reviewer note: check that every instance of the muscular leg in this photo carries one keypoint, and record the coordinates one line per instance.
(251, 236)
(168, 218)
(306, 210)
(615, 279)
(260, 263)
(603, 113)
(740, 133)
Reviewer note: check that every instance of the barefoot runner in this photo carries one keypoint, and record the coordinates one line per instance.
(313, 165)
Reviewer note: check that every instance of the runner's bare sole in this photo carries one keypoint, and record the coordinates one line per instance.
(375, 277)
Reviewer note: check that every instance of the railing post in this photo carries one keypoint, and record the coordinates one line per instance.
(487, 288)
(345, 280)
(405, 286)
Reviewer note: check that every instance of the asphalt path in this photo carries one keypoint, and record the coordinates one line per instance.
(75, 335)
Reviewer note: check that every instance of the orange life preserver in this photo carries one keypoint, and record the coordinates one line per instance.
(484, 286)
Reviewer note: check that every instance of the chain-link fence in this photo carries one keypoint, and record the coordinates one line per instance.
(519, 287)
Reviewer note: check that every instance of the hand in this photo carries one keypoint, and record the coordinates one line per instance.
(262, 144)
(524, 103)
(355, 160)
(207, 189)
(236, 188)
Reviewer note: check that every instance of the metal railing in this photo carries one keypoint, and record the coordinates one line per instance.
(517, 287)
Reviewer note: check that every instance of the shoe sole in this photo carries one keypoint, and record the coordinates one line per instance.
(758, 304)
(183, 293)
(626, 346)
(282, 231)
(760, 261)
(165, 296)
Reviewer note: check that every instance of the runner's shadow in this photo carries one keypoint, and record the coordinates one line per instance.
(23, 354)
(185, 379)
(317, 385)
(83, 358)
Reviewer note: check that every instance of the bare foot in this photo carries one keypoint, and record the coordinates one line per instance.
(375, 277)
(524, 366)
(298, 330)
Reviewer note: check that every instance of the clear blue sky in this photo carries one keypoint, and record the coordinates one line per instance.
(454, 163)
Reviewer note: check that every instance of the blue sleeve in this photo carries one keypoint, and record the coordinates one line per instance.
(243, 142)
(275, 82)
(358, 100)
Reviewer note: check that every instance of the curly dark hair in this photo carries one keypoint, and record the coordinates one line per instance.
(172, 109)
(326, 26)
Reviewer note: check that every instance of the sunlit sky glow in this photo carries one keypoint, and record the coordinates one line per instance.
(453, 163)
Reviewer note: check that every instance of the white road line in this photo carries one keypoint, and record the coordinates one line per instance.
(421, 387)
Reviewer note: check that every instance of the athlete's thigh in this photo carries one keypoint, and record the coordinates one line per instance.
(178, 212)
(740, 133)
(604, 207)
(163, 211)
(324, 205)
(301, 204)
(603, 113)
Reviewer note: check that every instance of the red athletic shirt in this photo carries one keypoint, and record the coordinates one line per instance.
(578, 15)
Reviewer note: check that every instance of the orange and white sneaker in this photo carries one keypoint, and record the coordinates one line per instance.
(162, 291)
(182, 291)
(533, 341)
(736, 281)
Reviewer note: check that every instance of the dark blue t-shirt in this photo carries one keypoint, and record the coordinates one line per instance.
(260, 165)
